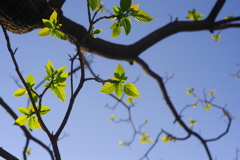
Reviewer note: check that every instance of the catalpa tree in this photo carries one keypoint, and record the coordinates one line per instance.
(83, 79)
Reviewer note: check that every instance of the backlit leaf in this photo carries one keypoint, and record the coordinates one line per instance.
(24, 111)
(107, 88)
(44, 32)
(19, 92)
(142, 17)
(207, 107)
(93, 4)
(118, 90)
(21, 120)
(59, 92)
(131, 90)
(30, 80)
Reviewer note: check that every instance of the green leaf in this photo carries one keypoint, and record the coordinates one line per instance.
(53, 33)
(166, 139)
(116, 10)
(30, 80)
(49, 68)
(19, 92)
(23, 110)
(93, 4)
(53, 18)
(44, 110)
(192, 122)
(125, 4)
(211, 93)
(31, 123)
(208, 106)
(97, 31)
(44, 32)
(119, 72)
(216, 37)
(130, 100)
(60, 35)
(21, 120)
(107, 88)
(127, 26)
(135, 7)
(116, 31)
(62, 77)
(112, 117)
(59, 92)
(142, 17)
(131, 90)
(118, 90)
(189, 91)
(48, 23)
(194, 15)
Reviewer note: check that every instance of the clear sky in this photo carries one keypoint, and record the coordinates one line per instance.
(194, 59)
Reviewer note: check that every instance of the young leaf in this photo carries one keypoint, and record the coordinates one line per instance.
(53, 18)
(118, 90)
(31, 123)
(130, 100)
(59, 92)
(131, 90)
(216, 37)
(211, 93)
(97, 31)
(24, 111)
(142, 17)
(192, 122)
(49, 68)
(21, 120)
(125, 5)
(107, 88)
(60, 35)
(207, 107)
(165, 139)
(127, 26)
(93, 4)
(135, 7)
(112, 117)
(44, 110)
(44, 32)
(47, 23)
(30, 80)
(116, 31)
(116, 10)
(189, 91)
(19, 92)
(37, 124)
(119, 72)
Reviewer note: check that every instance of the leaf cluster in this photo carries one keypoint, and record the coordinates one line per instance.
(30, 116)
(56, 80)
(193, 15)
(123, 14)
(52, 27)
(116, 84)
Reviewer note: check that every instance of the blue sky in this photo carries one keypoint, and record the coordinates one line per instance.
(194, 59)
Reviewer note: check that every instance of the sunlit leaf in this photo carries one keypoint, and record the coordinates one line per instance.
(131, 90)
(24, 111)
(30, 80)
(142, 16)
(211, 93)
(192, 122)
(59, 92)
(130, 100)
(60, 35)
(216, 37)
(44, 32)
(21, 120)
(208, 106)
(165, 139)
(107, 88)
(112, 117)
(119, 72)
(53, 18)
(20, 92)
(44, 110)
(47, 23)
(116, 31)
(118, 90)
(189, 91)
(93, 4)
(120, 143)
(135, 6)
(127, 26)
